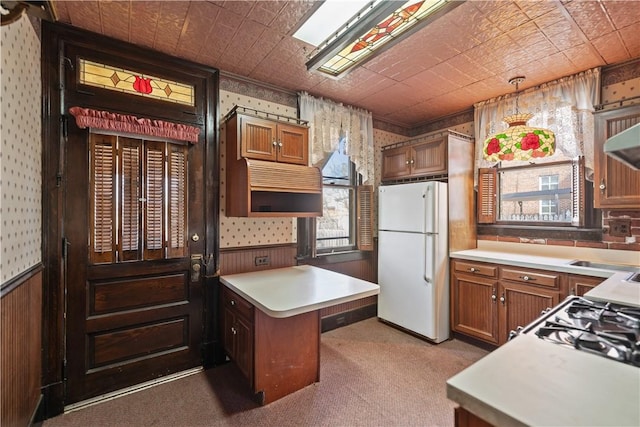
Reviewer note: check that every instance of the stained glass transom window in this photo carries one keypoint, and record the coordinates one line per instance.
(127, 81)
(403, 18)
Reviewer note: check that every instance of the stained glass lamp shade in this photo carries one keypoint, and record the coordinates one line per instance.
(519, 141)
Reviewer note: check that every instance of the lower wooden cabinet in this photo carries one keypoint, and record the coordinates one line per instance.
(237, 331)
(489, 301)
(580, 285)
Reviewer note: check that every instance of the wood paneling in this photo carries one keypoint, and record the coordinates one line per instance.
(242, 260)
(20, 338)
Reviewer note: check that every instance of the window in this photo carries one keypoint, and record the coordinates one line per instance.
(541, 194)
(138, 199)
(347, 222)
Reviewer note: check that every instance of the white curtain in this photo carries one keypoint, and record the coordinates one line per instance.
(564, 106)
(328, 122)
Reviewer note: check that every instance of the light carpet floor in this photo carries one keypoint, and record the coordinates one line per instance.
(371, 375)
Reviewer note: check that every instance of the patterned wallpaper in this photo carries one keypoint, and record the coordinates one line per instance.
(621, 91)
(241, 232)
(20, 152)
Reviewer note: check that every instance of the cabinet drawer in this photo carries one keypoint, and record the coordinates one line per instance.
(234, 302)
(531, 277)
(475, 268)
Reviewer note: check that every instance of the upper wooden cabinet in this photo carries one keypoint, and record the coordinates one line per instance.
(616, 184)
(413, 160)
(267, 172)
(264, 139)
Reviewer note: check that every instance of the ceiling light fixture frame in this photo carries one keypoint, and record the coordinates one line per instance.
(363, 22)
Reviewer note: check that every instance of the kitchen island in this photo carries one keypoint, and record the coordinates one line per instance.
(271, 323)
(532, 381)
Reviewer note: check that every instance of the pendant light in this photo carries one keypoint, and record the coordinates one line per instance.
(519, 141)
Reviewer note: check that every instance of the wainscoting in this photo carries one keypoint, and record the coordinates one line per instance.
(20, 351)
(361, 265)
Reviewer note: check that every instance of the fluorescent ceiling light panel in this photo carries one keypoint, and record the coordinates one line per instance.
(388, 22)
(331, 15)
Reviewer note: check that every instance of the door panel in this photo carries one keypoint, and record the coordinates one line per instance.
(134, 312)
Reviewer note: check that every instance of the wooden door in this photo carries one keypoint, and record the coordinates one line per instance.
(429, 158)
(258, 138)
(521, 305)
(616, 184)
(475, 308)
(396, 163)
(293, 146)
(134, 306)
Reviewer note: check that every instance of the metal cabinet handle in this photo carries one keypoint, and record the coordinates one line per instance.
(274, 143)
(527, 278)
(233, 330)
(493, 298)
(280, 144)
(472, 269)
(406, 162)
(412, 161)
(602, 186)
(502, 299)
(232, 302)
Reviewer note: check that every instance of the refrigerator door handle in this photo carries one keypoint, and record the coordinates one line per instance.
(429, 242)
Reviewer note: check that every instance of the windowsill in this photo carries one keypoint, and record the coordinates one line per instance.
(547, 232)
(336, 257)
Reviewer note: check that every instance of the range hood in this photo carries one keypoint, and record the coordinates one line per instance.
(625, 146)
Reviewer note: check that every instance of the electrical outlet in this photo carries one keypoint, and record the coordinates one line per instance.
(262, 260)
(620, 227)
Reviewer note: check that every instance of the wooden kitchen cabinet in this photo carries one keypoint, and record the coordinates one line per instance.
(489, 300)
(265, 139)
(580, 285)
(267, 172)
(413, 160)
(237, 335)
(617, 186)
(474, 308)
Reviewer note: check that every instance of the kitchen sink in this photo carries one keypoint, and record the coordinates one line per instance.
(617, 267)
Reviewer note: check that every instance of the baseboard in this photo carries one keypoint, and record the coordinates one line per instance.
(348, 317)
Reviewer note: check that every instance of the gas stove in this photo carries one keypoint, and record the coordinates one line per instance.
(601, 328)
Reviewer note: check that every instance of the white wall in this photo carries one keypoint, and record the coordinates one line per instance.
(20, 150)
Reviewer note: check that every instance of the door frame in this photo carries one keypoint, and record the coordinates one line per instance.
(55, 39)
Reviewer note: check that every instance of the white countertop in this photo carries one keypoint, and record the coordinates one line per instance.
(285, 292)
(614, 288)
(529, 381)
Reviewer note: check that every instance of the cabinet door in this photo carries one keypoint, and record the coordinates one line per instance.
(616, 184)
(580, 285)
(258, 138)
(244, 347)
(228, 337)
(474, 307)
(395, 163)
(429, 158)
(293, 146)
(522, 304)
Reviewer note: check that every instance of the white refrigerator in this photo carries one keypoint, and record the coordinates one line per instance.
(413, 258)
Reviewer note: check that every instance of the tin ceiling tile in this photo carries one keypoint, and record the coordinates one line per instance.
(170, 25)
(590, 17)
(197, 27)
(61, 11)
(116, 20)
(86, 15)
(146, 15)
(611, 48)
(631, 39)
(265, 12)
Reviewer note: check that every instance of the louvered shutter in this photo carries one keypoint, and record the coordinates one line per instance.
(102, 185)
(578, 194)
(365, 217)
(177, 197)
(487, 189)
(130, 158)
(154, 172)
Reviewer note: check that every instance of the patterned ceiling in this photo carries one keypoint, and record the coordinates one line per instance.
(462, 58)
